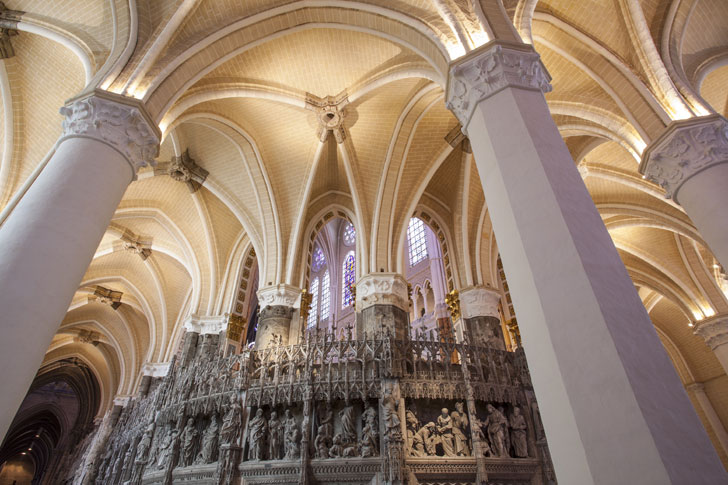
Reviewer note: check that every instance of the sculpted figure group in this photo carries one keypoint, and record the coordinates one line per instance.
(449, 434)
(266, 437)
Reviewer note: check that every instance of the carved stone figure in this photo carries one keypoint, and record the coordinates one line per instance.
(497, 425)
(257, 429)
(167, 447)
(188, 442)
(348, 427)
(321, 444)
(518, 433)
(459, 430)
(369, 440)
(390, 415)
(142, 453)
(478, 434)
(292, 437)
(444, 430)
(231, 424)
(275, 438)
(209, 441)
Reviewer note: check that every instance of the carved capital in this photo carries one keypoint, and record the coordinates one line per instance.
(714, 330)
(206, 324)
(686, 148)
(119, 122)
(382, 289)
(155, 369)
(184, 169)
(490, 69)
(279, 295)
(479, 301)
(330, 114)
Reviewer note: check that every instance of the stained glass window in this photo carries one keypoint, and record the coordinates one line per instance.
(348, 275)
(416, 240)
(318, 259)
(325, 296)
(349, 234)
(313, 312)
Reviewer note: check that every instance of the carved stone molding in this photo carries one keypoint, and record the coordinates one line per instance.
(490, 69)
(119, 122)
(155, 369)
(382, 289)
(714, 330)
(279, 295)
(206, 324)
(686, 148)
(121, 400)
(479, 301)
(108, 296)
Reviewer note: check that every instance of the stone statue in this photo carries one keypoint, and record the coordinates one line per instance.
(275, 438)
(188, 442)
(390, 415)
(497, 425)
(337, 449)
(459, 430)
(370, 414)
(444, 430)
(327, 421)
(231, 424)
(257, 429)
(292, 437)
(425, 441)
(348, 427)
(321, 444)
(209, 442)
(142, 452)
(518, 433)
(369, 440)
(167, 447)
(478, 434)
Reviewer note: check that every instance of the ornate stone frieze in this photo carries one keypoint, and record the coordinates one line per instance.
(686, 148)
(714, 330)
(122, 123)
(479, 301)
(490, 69)
(279, 295)
(206, 324)
(381, 289)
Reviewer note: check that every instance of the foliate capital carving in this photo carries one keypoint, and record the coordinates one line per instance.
(119, 122)
(279, 295)
(490, 69)
(684, 149)
(206, 324)
(479, 301)
(714, 330)
(382, 289)
(155, 369)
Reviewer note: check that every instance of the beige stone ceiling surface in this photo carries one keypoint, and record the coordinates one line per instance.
(228, 81)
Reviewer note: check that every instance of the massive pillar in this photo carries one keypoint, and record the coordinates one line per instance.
(382, 305)
(276, 321)
(479, 309)
(50, 237)
(715, 332)
(612, 405)
(690, 161)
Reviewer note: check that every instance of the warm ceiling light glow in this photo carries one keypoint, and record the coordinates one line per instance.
(455, 50)
(709, 312)
(479, 37)
(691, 324)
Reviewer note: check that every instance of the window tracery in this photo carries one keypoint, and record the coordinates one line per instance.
(416, 241)
(325, 296)
(349, 234)
(319, 260)
(311, 322)
(347, 280)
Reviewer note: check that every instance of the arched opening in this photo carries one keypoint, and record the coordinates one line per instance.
(244, 315)
(332, 277)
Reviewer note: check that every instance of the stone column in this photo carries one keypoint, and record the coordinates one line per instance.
(690, 161)
(715, 332)
(612, 404)
(49, 239)
(278, 305)
(479, 309)
(698, 390)
(382, 305)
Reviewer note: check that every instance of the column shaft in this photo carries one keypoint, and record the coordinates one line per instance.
(50, 237)
(612, 404)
